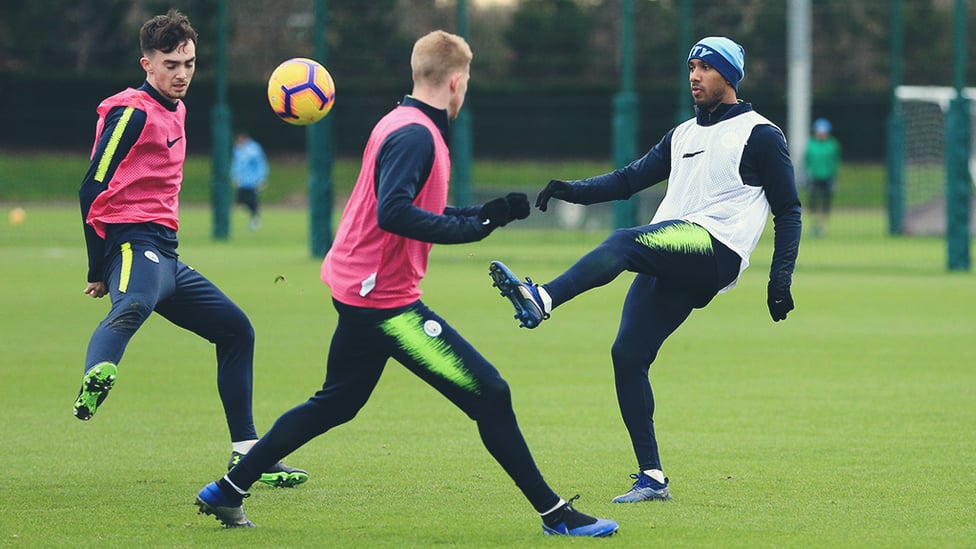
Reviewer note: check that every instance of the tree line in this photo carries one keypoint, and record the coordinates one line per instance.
(520, 43)
(549, 68)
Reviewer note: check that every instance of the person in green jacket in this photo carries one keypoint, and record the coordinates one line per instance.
(822, 161)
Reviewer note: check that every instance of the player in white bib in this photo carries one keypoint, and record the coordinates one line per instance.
(727, 169)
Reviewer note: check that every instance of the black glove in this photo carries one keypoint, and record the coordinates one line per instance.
(518, 206)
(779, 300)
(495, 213)
(556, 188)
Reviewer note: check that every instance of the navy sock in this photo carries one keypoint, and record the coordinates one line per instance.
(229, 491)
(567, 514)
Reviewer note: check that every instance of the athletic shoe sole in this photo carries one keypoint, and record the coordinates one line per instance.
(527, 311)
(601, 529)
(225, 511)
(94, 388)
(637, 496)
(230, 517)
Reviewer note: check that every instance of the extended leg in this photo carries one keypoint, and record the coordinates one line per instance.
(435, 352)
(648, 249)
(136, 278)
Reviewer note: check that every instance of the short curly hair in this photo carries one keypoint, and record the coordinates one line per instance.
(165, 33)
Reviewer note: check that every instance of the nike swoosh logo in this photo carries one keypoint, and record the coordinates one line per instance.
(778, 301)
(689, 155)
(173, 142)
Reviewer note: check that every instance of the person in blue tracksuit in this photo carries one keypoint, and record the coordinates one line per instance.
(249, 173)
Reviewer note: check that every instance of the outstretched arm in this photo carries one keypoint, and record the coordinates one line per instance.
(620, 184)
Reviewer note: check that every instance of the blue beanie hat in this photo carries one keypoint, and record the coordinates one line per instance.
(821, 125)
(727, 57)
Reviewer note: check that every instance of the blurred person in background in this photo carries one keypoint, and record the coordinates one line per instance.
(249, 173)
(822, 162)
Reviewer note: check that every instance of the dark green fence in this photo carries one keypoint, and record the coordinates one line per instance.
(52, 112)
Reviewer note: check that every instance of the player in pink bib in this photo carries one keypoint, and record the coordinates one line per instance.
(129, 202)
(396, 212)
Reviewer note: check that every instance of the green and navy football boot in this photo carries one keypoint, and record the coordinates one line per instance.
(96, 384)
(278, 476)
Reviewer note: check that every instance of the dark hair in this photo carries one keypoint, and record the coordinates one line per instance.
(166, 32)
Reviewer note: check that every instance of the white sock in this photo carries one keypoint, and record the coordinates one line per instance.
(558, 505)
(546, 299)
(234, 486)
(244, 446)
(655, 474)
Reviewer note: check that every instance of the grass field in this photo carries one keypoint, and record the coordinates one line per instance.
(851, 424)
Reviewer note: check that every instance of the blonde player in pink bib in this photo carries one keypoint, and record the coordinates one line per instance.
(397, 211)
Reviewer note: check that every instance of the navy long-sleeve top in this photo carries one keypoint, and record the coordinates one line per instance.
(765, 163)
(403, 165)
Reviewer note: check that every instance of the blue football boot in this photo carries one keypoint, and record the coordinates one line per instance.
(645, 488)
(229, 510)
(529, 307)
(567, 521)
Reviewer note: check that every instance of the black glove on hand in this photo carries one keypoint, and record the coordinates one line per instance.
(495, 213)
(518, 206)
(779, 300)
(556, 188)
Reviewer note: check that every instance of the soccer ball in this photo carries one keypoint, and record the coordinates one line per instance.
(301, 91)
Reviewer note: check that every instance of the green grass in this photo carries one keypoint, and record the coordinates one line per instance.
(848, 425)
(33, 177)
